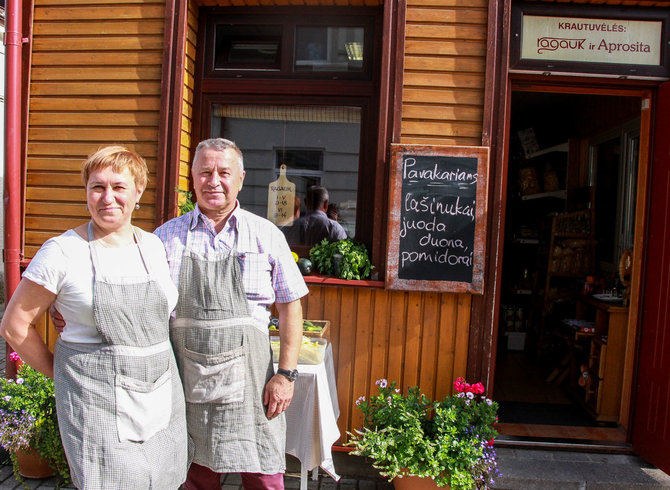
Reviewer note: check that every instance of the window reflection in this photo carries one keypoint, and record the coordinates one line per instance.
(329, 48)
(318, 144)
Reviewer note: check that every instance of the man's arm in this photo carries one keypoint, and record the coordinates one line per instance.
(279, 390)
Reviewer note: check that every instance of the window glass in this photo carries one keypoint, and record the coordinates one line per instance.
(320, 48)
(247, 46)
(319, 145)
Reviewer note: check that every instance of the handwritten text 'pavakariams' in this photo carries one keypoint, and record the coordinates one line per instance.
(435, 174)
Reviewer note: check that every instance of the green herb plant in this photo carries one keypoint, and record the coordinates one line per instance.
(186, 203)
(450, 441)
(345, 259)
(28, 420)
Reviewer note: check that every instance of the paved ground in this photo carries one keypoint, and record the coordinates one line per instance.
(523, 469)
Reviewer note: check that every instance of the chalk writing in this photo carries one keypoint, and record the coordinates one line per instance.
(437, 218)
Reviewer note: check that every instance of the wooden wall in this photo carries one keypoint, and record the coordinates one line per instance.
(95, 80)
(185, 156)
(409, 337)
(445, 63)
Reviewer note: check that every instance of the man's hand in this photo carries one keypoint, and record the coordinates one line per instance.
(278, 395)
(57, 319)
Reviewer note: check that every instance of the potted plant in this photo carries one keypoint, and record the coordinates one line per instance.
(28, 424)
(448, 442)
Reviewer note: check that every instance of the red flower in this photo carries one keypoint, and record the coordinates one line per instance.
(461, 386)
(491, 441)
(478, 388)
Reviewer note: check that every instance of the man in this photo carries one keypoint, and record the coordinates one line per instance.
(230, 267)
(312, 228)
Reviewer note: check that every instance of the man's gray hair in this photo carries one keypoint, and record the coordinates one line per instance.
(316, 196)
(220, 144)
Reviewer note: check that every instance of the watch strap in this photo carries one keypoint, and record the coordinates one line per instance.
(290, 374)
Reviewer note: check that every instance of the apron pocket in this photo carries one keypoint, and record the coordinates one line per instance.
(214, 378)
(142, 408)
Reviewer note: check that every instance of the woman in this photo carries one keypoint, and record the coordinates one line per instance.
(119, 397)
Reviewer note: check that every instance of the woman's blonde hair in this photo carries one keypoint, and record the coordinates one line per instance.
(119, 158)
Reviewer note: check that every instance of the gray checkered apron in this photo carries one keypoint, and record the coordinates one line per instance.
(225, 361)
(120, 403)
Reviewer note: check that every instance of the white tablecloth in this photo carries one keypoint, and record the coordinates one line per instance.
(311, 418)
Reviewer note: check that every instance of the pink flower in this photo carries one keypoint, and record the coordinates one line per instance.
(460, 385)
(478, 388)
(13, 356)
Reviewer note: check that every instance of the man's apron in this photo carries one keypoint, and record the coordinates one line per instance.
(225, 361)
(120, 403)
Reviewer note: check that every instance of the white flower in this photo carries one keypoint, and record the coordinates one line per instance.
(7, 398)
(489, 402)
(469, 395)
(360, 400)
(19, 381)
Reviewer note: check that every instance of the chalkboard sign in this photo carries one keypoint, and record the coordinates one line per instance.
(437, 218)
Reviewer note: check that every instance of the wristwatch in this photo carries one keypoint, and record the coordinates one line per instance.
(290, 374)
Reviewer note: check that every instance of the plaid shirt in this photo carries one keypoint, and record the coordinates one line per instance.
(269, 271)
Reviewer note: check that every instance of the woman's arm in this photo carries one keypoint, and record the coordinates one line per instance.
(29, 302)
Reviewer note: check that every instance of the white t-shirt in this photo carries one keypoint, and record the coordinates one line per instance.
(63, 266)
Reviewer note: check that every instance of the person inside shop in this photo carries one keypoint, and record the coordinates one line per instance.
(231, 266)
(315, 225)
(119, 397)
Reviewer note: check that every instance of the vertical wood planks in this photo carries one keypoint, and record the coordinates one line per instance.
(413, 338)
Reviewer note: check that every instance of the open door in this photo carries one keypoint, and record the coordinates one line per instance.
(651, 425)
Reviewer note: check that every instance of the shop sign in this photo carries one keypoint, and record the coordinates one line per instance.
(591, 41)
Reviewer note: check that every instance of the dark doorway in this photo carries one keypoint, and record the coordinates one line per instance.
(572, 169)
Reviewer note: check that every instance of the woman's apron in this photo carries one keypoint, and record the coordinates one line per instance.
(120, 403)
(225, 361)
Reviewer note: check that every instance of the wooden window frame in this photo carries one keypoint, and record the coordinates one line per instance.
(290, 20)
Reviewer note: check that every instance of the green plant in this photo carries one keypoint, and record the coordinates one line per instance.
(450, 441)
(186, 203)
(345, 259)
(28, 419)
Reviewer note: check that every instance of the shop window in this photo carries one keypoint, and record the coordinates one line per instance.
(247, 47)
(321, 48)
(289, 45)
(299, 87)
(319, 145)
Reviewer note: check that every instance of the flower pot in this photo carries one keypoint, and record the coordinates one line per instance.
(411, 482)
(31, 465)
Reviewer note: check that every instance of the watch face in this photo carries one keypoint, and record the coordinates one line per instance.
(292, 375)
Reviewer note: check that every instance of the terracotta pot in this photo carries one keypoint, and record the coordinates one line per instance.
(31, 465)
(412, 482)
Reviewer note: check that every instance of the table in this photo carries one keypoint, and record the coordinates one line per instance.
(311, 418)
